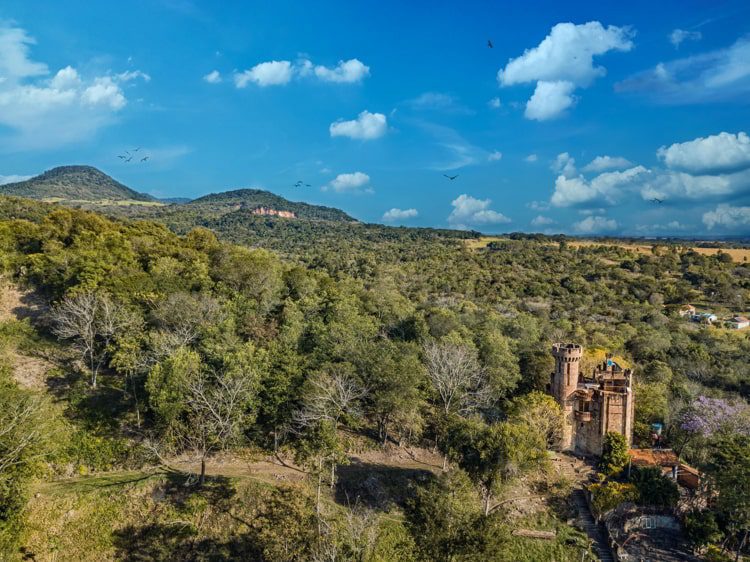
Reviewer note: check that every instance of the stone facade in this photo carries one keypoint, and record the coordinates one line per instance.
(592, 404)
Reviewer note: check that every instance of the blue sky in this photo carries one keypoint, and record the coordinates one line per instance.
(579, 119)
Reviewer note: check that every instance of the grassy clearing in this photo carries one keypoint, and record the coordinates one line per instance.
(105, 202)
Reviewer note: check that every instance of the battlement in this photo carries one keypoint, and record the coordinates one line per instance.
(567, 351)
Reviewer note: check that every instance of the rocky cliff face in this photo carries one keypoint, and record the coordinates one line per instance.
(268, 212)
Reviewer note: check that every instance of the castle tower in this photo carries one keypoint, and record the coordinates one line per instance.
(564, 383)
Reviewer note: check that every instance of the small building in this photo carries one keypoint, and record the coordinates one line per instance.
(705, 318)
(686, 310)
(671, 466)
(738, 323)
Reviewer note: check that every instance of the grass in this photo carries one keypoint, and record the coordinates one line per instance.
(105, 202)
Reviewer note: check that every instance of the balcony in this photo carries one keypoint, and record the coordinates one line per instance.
(582, 416)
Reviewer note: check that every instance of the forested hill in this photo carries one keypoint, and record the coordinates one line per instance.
(74, 183)
(254, 198)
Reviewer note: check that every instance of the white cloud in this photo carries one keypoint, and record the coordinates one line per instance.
(399, 214)
(671, 226)
(439, 101)
(531, 158)
(13, 178)
(541, 220)
(494, 103)
(366, 126)
(349, 71)
(45, 113)
(213, 77)
(550, 100)
(594, 225)
(604, 188)
(271, 73)
(468, 212)
(727, 216)
(130, 75)
(714, 76)
(495, 156)
(562, 62)
(722, 153)
(602, 163)
(564, 164)
(539, 205)
(679, 35)
(356, 182)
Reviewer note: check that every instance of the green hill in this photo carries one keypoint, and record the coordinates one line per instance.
(74, 183)
(250, 199)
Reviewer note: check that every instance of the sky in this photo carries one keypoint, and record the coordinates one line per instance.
(590, 118)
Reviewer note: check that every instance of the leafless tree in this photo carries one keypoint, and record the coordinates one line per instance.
(456, 376)
(182, 316)
(215, 415)
(92, 320)
(20, 431)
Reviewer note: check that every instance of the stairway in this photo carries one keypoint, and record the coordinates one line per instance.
(595, 531)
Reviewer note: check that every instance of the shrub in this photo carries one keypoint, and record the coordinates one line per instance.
(615, 453)
(653, 487)
(608, 495)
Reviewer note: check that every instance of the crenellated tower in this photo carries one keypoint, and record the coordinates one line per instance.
(564, 384)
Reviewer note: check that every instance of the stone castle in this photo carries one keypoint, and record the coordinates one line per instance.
(592, 404)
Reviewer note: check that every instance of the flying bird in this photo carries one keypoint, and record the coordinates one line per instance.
(450, 177)
(144, 158)
(128, 159)
(489, 43)
(122, 157)
(136, 149)
(657, 201)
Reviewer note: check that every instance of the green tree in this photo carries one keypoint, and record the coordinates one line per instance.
(542, 413)
(614, 453)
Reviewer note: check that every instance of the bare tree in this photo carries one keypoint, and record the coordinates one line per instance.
(215, 415)
(181, 317)
(20, 431)
(92, 320)
(456, 376)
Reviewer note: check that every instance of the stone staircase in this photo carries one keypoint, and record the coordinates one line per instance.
(595, 531)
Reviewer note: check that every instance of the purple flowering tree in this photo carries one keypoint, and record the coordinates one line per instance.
(706, 417)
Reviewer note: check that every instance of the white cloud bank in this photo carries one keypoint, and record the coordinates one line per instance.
(469, 212)
(399, 214)
(46, 112)
(727, 217)
(562, 62)
(715, 154)
(595, 225)
(355, 182)
(279, 73)
(541, 220)
(602, 163)
(366, 126)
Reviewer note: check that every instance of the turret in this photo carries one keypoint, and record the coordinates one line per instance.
(567, 369)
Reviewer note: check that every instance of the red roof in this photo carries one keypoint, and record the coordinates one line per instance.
(654, 457)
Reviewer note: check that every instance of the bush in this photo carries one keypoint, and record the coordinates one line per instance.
(701, 528)
(653, 487)
(614, 454)
(608, 495)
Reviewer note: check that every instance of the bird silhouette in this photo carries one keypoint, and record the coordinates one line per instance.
(450, 177)
(122, 157)
(657, 201)
(489, 44)
(307, 185)
(128, 159)
(136, 149)
(144, 158)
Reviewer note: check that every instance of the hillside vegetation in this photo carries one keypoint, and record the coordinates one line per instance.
(74, 183)
(200, 399)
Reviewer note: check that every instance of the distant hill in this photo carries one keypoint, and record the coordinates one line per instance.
(74, 183)
(240, 199)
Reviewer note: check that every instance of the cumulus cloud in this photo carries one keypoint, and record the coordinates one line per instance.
(13, 178)
(602, 163)
(562, 62)
(714, 76)
(531, 158)
(213, 77)
(595, 225)
(494, 156)
(271, 73)
(494, 103)
(606, 188)
(728, 217)
(550, 100)
(279, 73)
(399, 214)
(564, 164)
(352, 70)
(715, 154)
(45, 112)
(541, 220)
(356, 182)
(679, 35)
(366, 126)
(469, 212)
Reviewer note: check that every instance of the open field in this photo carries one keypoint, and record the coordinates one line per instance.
(738, 254)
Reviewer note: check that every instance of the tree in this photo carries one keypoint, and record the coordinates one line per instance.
(456, 376)
(701, 528)
(92, 320)
(168, 385)
(614, 453)
(216, 413)
(653, 487)
(494, 454)
(542, 413)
